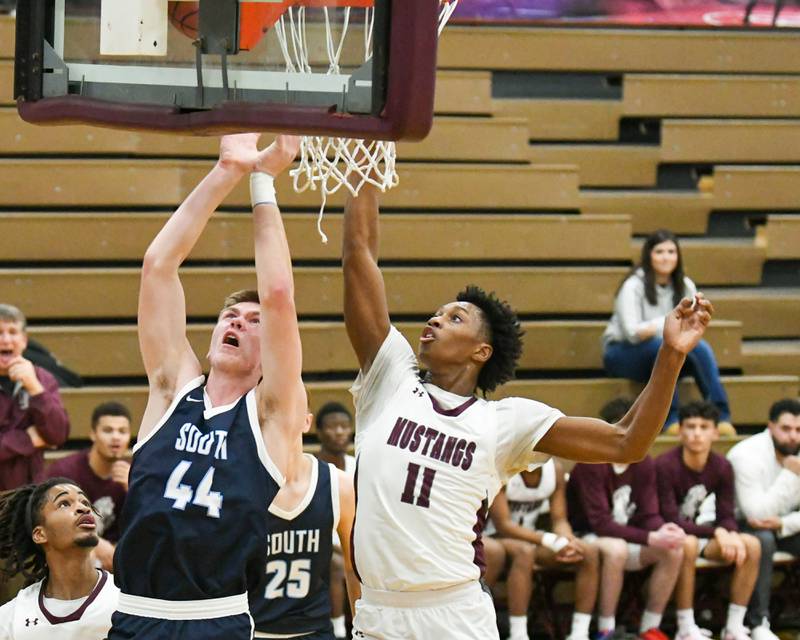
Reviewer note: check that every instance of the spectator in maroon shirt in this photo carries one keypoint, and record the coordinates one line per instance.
(617, 507)
(32, 416)
(102, 472)
(696, 491)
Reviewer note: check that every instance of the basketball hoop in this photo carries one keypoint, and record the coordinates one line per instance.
(328, 163)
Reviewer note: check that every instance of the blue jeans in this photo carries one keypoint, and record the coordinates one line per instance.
(635, 362)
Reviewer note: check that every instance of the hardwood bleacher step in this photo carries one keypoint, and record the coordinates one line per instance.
(780, 237)
(756, 187)
(604, 165)
(722, 140)
(717, 261)
(683, 212)
(123, 236)
(112, 351)
(765, 312)
(750, 396)
(720, 96)
(632, 50)
(761, 357)
(563, 119)
(463, 92)
(85, 293)
(153, 183)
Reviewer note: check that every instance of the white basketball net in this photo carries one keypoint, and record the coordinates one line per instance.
(328, 163)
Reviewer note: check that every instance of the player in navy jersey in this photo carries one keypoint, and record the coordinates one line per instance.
(431, 454)
(211, 452)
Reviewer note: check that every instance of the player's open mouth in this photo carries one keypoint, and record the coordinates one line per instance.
(6, 353)
(87, 522)
(230, 339)
(427, 335)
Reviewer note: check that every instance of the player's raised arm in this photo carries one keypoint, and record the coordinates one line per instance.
(168, 358)
(366, 313)
(592, 440)
(281, 396)
(347, 513)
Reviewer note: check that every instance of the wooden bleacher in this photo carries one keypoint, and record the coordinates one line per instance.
(540, 199)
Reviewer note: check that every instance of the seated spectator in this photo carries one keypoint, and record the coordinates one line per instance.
(102, 471)
(695, 487)
(767, 479)
(633, 335)
(47, 533)
(519, 517)
(335, 432)
(32, 416)
(616, 506)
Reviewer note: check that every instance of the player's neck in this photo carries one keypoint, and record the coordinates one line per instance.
(72, 574)
(223, 388)
(695, 461)
(99, 465)
(460, 380)
(332, 457)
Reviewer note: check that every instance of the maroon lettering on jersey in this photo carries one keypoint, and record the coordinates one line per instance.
(406, 437)
(468, 456)
(430, 434)
(394, 436)
(417, 440)
(448, 449)
(458, 454)
(436, 451)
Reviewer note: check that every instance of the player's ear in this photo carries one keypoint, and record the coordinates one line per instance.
(38, 534)
(482, 352)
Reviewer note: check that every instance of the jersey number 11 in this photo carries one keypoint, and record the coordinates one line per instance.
(423, 499)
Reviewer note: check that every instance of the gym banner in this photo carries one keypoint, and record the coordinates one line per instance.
(640, 13)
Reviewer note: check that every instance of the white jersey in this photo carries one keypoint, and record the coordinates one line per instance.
(429, 464)
(31, 616)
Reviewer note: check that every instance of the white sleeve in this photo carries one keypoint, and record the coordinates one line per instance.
(757, 501)
(521, 423)
(790, 524)
(371, 391)
(7, 620)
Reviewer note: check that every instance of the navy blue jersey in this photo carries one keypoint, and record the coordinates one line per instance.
(194, 522)
(293, 596)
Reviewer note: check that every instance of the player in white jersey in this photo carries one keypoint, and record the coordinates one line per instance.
(432, 455)
(47, 534)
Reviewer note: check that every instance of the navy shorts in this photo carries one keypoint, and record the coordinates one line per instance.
(317, 635)
(125, 626)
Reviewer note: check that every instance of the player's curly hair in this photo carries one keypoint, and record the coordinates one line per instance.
(504, 333)
(20, 514)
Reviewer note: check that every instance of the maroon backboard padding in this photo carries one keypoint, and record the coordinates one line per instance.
(408, 113)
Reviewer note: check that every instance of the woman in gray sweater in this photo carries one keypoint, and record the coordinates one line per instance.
(633, 335)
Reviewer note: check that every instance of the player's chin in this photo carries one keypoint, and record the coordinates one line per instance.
(87, 540)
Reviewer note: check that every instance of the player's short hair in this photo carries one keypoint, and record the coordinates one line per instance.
(698, 409)
(503, 332)
(329, 408)
(20, 514)
(243, 295)
(786, 405)
(10, 313)
(614, 410)
(111, 408)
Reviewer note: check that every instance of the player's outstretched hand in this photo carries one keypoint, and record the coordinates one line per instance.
(685, 324)
(279, 155)
(240, 152)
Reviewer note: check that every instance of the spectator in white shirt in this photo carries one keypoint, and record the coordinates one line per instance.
(767, 477)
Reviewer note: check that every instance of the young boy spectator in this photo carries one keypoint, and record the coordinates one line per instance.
(617, 505)
(32, 416)
(335, 432)
(102, 471)
(519, 516)
(767, 480)
(695, 488)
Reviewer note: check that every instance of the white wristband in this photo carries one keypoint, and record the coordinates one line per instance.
(262, 189)
(553, 542)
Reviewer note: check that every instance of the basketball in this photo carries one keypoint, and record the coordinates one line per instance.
(185, 17)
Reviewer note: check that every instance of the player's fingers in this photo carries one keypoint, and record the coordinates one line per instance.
(684, 307)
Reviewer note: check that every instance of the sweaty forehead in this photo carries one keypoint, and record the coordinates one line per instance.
(243, 309)
(466, 306)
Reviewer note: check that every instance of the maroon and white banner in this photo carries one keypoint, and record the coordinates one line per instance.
(693, 13)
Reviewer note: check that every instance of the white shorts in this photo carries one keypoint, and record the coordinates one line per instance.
(464, 612)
